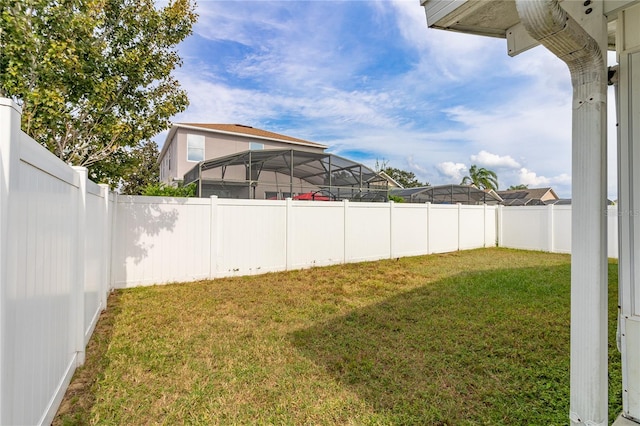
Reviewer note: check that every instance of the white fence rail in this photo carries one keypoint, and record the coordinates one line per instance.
(65, 242)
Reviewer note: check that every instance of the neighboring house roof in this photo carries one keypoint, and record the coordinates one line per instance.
(239, 129)
(527, 197)
(392, 182)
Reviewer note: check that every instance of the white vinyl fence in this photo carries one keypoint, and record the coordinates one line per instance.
(546, 228)
(65, 242)
(55, 229)
(161, 239)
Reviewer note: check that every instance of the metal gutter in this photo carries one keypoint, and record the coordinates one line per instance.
(579, 38)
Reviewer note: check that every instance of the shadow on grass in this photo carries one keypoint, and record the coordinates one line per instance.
(81, 395)
(477, 348)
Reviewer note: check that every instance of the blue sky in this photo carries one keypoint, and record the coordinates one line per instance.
(372, 81)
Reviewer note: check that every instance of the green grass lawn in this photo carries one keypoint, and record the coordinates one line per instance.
(477, 337)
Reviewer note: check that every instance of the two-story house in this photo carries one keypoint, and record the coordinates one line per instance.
(237, 161)
(187, 144)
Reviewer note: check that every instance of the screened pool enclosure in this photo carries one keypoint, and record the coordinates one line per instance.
(447, 194)
(281, 174)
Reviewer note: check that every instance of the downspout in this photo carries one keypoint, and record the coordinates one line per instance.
(584, 53)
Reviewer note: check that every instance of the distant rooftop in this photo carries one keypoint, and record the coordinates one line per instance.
(251, 131)
(524, 197)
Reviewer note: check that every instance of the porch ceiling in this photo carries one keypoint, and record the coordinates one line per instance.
(495, 18)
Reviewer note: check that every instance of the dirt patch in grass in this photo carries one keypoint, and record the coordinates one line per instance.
(473, 337)
(81, 393)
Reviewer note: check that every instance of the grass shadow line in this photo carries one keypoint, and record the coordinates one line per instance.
(487, 347)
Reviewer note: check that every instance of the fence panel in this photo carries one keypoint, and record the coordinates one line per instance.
(525, 227)
(367, 234)
(95, 236)
(561, 229)
(443, 228)
(315, 234)
(491, 226)
(161, 240)
(471, 232)
(251, 237)
(409, 230)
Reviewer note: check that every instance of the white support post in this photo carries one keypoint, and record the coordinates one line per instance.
(10, 115)
(628, 107)
(213, 240)
(78, 288)
(589, 286)
(576, 32)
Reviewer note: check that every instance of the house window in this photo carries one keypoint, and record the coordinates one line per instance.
(195, 148)
(255, 146)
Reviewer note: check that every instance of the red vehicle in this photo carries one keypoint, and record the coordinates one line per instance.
(315, 196)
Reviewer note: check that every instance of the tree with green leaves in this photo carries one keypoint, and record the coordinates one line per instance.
(163, 190)
(518, 187)
(142, 172)
(405, 178)
(94, 77)
(481, 178)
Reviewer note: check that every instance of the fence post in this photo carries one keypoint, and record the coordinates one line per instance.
(550, 239)
(107, 230)
(289, 230)
(391, 248)
(428, 227)
(345, 204)
(213, 237)
(10, 115)
(78, 288)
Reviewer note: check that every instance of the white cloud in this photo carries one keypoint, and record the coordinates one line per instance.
(452, 170)
(424, 99)
(487, 159)
(531, 178)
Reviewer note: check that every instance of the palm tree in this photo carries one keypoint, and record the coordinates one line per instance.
(481, 178)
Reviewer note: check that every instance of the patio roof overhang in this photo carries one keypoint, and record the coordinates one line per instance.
(499, 18)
